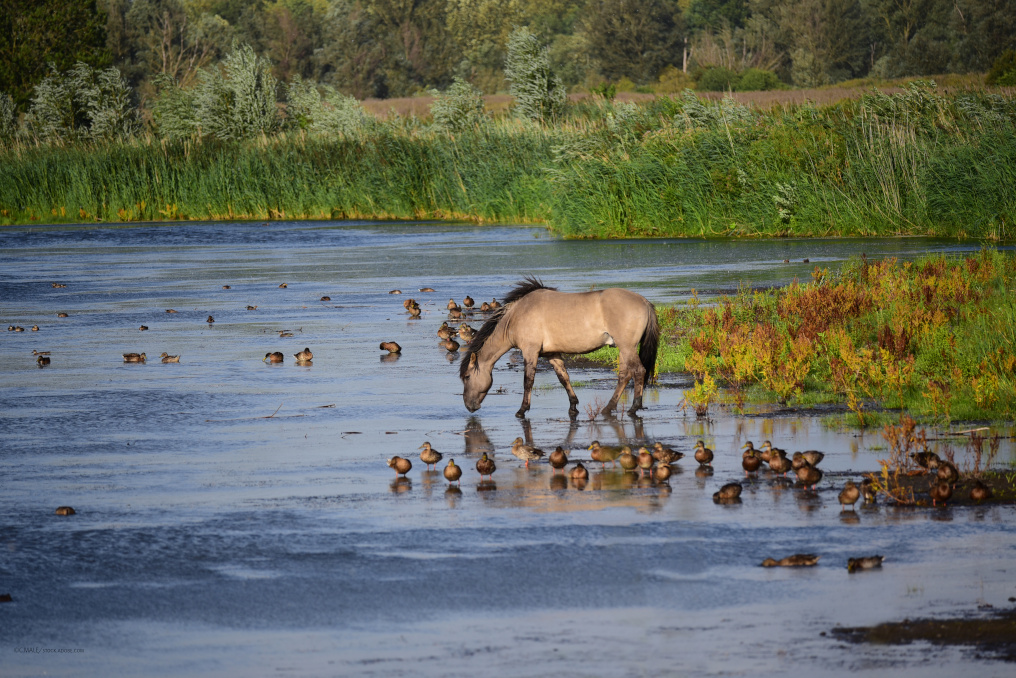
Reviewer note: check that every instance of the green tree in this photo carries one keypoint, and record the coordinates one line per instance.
(457, 108)
(82, 103)
(34, 33)
(633, 38)
(539, 94)
(237, 100)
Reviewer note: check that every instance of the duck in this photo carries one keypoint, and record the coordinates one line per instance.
(453, 306)
(486, 466)
(19, 328)
(979, 492)
(166, 358)
(485, 307)
(42, 360)
(797, 461)
(391, 347)
(796, 560)
(494, 304)
(401, 465)
(57, 285)
(285, 333)
(61, 315)
(65, 511)
(558, 459)
(779, 463)
(751, 462)
(414, 311)
(766, 451)
(283, 286)
(304, 356)
(468, 302)
(449, 345)
(452, 473)
(409, 301)
(134, 357)
(579, 473)
(10, 328)
(868, 491)
(455, 314)
(466, 333)
(646, 461)
(849, 495)
(34, 352)
(226, 287)
(430, 456)
(143, 328)
(813, 457)
(940, 491)
(210, 320)
(927, 460)
(865, 563)
(703, 455)
(394, 291)
(728, 492)
(665, 455)
(663, 472)
(35, 328)
(809, 475)
(276, 357)
(947, 471)
(628, 461)
(604, 453)
(525, 452)
(251, 308)
(446, 331)
(171, 310)
(427, 289)
(324, 298)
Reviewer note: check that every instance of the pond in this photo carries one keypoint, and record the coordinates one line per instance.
(236, 517)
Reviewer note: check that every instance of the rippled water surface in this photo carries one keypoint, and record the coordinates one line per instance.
(237, 518)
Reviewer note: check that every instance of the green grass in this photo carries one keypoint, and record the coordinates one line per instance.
(915, 162)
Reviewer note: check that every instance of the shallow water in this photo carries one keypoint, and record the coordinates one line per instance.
(237, 518)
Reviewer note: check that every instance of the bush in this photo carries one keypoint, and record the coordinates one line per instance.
(238, 101)
(82, 103)
(673, 80)
(8, 123)
(716, 79)
(331, 113)
(757, 80)
(1003, 71)
(459, 107)
(173, 111)
(539, 94)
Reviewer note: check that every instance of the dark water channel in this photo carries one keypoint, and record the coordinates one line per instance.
(237, 518)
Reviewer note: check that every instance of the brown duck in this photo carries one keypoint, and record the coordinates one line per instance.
(941, 491)
(134, 357)
(42, 360)
(809, 475)
(166, 358)
(947, 471)
(468, 302)
(980, 492)
(728, 492)
(813, 457)
(604, 453)
(400, 464)
(304, 356)
(446, 331)
(849, 495)
(276, 357)
(646, 461)
(868, 491)
(453, 306)
(391, 347)
(452, 473)
(558, 458)
(666, 455)
(796, 560)
(525, 452)
(865, 563)
(663, 472)
(430, 456)
(486, 466)
(703, 455)
(627, 460)
(579, 473)
(779, 463)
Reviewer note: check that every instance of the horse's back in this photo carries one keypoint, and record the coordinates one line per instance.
(579, 322)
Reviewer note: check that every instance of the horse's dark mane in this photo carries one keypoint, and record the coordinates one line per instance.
(521, 289)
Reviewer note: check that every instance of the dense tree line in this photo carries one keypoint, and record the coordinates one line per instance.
(385, 48)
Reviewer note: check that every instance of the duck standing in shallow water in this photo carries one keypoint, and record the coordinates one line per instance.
(849, 495)
(627, 460)
(646, 462)
(558, 459)
(525, 452)
(401, 465)
(941, 491)
(868, 491)
(979, 492)
(666, 455)
(579, 473)
(452, 473)
(703, 455)
(304, 356)
(809, 475)
(468, 302)
(604, 453)
(430, 456)
(486, 466)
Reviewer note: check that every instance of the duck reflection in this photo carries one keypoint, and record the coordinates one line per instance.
(390, 357)
(401, 485)
(486, 487)
(453, 494)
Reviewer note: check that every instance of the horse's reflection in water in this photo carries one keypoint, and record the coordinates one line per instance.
(476, 439)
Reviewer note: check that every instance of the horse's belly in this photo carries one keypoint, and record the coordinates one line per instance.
(578, 345)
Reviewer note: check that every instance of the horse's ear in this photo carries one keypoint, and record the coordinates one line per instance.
(472, 361)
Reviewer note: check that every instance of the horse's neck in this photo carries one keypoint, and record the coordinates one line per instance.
(496, 346)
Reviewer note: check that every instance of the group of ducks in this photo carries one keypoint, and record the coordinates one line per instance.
(304, 357)
(945, 479)
(141, 357)
(446, 333)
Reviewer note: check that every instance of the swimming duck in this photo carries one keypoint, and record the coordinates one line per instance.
(979, 492)
(326, 298)
(941, 491)
(947, 471)
(628, 461)
(394, 291)
(166, 358)
(210, 320)
(134, 357)
(61, 315)
(646, 461)
(486, 466)
(427, 289)
(143, 328)
(430, 456)
(558, 458)
(283, 286)
(728, 492)
(452, 473)
(304, 356)
(400, 464)
(468, 302)
(276, 357)
(579, 473)
(809, 475)
(813, 457)
(226, 287)
(928, 460)
(703, 455)
(35, 328)
(449, 345)
(868, 491)
(10, 328)
(19, 328)
(796, 560)
(65, 511)
(42, 360)
(171, 310)
(604, 453)
(525, 452)
(666, 455)
(391, 347)
(58, 285)
(663, 472)
(849, 495)
(866, 563)
(34, 352)
(251, 308)
(285, 333)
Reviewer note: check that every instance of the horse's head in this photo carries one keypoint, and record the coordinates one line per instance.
(475, 383)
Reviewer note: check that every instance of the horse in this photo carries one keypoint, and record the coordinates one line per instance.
(542, 321)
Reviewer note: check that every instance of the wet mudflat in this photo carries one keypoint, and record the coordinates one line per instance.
(236, 517)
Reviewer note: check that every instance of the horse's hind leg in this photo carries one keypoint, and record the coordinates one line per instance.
(557, 362)
(622, 380)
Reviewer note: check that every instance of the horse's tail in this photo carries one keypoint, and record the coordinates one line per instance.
(648, 345)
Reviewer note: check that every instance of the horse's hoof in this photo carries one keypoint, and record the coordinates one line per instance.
(521, 414)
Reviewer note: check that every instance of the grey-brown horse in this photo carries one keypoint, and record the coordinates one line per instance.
(541, 321)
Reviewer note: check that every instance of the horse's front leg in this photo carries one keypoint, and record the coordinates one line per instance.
(557, 362)
(527, 384)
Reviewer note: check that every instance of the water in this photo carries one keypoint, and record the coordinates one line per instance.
(238, 518)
